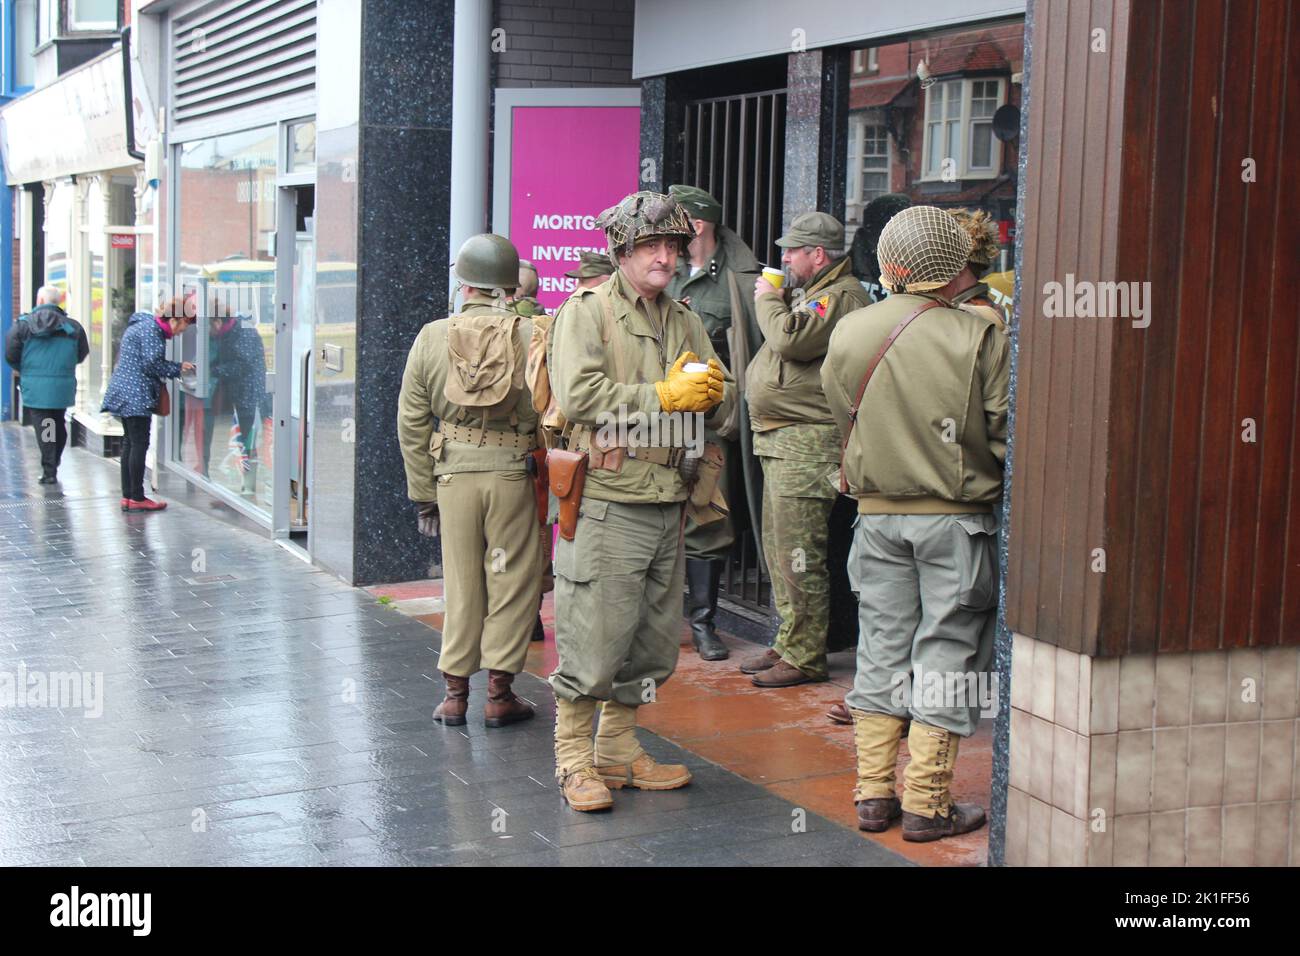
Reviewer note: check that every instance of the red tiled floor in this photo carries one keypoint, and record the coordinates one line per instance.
(780, 739)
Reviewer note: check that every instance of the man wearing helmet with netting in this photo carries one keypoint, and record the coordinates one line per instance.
(919, 391)
(466, 425)
(974, 294)
(622, 357)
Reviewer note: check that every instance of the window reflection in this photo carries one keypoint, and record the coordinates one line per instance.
(227, 248)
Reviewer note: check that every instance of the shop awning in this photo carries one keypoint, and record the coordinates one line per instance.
(77, 124)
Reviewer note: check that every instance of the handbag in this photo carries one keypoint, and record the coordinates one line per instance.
(164, 407)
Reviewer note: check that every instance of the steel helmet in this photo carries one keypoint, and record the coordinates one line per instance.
(643, 215)
(920, 249)
(488, 261)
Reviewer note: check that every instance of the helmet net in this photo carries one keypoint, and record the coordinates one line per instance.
(920, 249)
(643, 215)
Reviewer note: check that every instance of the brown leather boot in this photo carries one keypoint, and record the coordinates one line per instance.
(451, 712)
(961, 818)
(760, 663)
(584, 790)
(645, 773)
(875, 815)
(782, 674)
(503, 707)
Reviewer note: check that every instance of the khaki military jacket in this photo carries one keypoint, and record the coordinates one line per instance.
(931, 432)
(585, 379)
(428, 453)
(783, 383)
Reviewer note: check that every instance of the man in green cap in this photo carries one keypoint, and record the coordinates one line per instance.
(466, 424)
(593, 268)
(711, 280)
(625, 360)
(797, 442)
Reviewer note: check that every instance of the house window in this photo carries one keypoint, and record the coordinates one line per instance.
(864, 61)
(47, 21)
(959, 127)
(24, 34)
(92, 14)
(868, 162)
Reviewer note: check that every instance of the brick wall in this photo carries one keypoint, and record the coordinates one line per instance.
(565, 43)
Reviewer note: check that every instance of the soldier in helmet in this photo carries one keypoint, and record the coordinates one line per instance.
(593, 268)
(708, 280)
(796, 440)
(617, 359)
(524, 300)
(466, 424)
(974, 294)
(919, 391)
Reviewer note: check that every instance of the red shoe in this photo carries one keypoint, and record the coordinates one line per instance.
(125, 503)
(145, 505)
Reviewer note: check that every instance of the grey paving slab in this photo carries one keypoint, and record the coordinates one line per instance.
(253, 710)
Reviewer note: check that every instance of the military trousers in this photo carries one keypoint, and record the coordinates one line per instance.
(927, 590)
(492, 570)
(797, 502)
(618, 602)
(713, 541)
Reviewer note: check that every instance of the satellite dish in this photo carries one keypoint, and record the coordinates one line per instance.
(1006, 123)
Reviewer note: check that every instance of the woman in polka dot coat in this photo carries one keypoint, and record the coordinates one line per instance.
(132, 393)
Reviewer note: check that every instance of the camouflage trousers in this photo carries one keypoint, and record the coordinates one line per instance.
(797, 502)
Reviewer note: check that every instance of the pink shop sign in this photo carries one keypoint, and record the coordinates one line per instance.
(567, 164)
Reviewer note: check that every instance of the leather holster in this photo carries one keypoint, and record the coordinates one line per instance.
(567, 471)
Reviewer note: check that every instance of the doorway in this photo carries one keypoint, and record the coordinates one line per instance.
(295, 320)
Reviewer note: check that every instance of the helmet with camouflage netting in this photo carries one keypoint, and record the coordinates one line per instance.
(983, 232)
(921, 249)
(643, 215)
(488, 261)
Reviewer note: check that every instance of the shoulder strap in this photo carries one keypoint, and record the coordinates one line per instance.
(866, 379)
(607, 331)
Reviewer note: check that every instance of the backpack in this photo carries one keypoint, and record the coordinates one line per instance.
(485, 361)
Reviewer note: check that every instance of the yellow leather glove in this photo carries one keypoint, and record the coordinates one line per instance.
(686, 391)
(717, 382)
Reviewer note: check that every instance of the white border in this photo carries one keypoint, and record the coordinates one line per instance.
(504, 103)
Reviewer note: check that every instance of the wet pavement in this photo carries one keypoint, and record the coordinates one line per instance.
(178, 690)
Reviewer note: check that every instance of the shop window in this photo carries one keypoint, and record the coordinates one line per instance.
(92, 14)
(226, 224)
(302, 147)
(959, 141)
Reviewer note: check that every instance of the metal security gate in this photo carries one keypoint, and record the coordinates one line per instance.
(735, 148)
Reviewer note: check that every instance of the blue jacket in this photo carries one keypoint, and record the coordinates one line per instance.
(45, 346)
(141, 367)
(239, 367)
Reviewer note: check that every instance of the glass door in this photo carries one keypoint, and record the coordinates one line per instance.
(295, 322)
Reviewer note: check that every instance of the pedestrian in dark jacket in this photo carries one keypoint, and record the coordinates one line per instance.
(45, 347)
(132, 393)
(238, 368)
